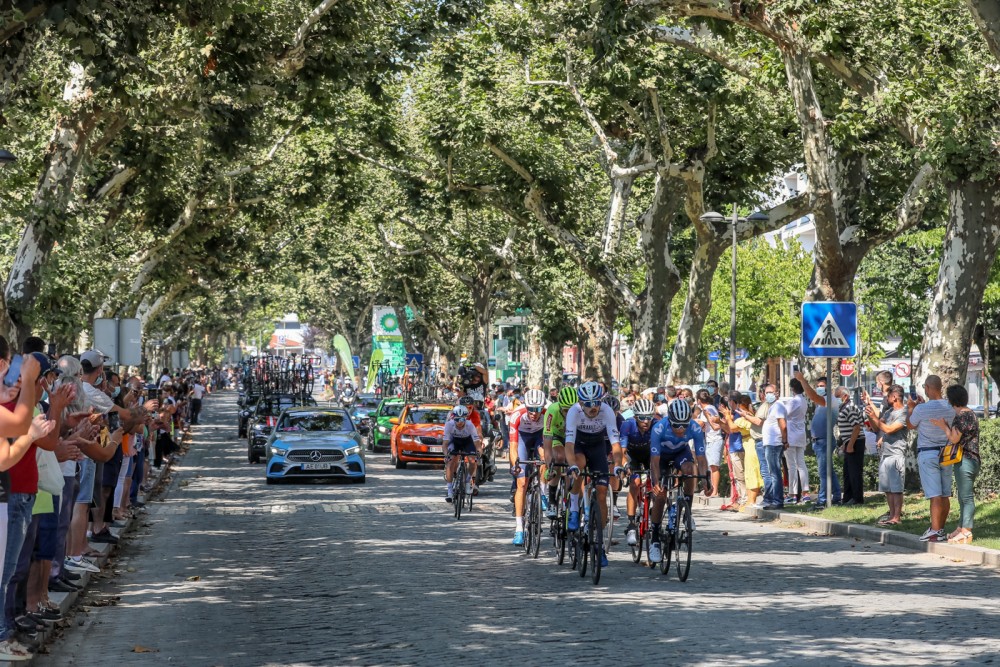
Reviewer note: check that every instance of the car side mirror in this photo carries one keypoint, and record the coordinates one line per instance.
(394, 421)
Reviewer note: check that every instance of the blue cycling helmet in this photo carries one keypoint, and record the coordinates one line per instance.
(590, 393)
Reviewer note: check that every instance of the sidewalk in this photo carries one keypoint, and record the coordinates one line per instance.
(67, 600)
(958, 552)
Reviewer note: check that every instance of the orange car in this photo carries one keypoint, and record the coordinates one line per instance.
(417, 434)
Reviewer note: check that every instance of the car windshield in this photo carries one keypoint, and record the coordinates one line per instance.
(392, 410)
(315, 421)
(428, 416)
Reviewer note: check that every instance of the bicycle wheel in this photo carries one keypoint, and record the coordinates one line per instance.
(683, 538)
(574, 550)
(584, 549)
(468, 497)
(595, 539)
(609, 524)
(529, 504)
(535, 527)
(641, 537)
(560, 538)
(458, 493)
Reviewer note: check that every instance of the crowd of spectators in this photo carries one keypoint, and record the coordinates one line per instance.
(76, 439)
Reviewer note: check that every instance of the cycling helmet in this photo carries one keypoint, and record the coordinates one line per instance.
(644, 408)
(534, 398)
(591, 394)
(613, 402)
(466, 401)
(568, 397)
(460, 412)
(679, 412)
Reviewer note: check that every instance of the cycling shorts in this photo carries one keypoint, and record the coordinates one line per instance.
(467, 445)
(597, 459)
(638, 456)
(674, 460)
(528, 445)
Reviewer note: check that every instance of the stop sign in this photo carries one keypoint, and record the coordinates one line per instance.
(846, 367)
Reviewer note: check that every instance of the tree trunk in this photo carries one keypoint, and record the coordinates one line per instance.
(685, 364)
(47, 222)
(404, 329)
(970, 247)
(553, 360)
(535, 373)
(651, 322)
(597, 329)
(482, 314)
(986, 14)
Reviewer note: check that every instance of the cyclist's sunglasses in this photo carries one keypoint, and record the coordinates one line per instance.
(591, 404)
(674, 424)
(536, 411)
(644, 418)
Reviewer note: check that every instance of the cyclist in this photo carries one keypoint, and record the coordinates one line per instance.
(459, 436)
(636, 433)
(668, 446)
(553, 435)
(587, 423)
(525, 441)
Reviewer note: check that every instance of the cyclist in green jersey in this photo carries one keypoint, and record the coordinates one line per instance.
(553, 434)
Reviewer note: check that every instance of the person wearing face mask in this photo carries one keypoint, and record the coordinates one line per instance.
(775, 432)
(756, 418)
(817, 429)
(890, 424)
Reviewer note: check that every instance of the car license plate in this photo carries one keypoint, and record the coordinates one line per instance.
(434, 449)
(315, 466)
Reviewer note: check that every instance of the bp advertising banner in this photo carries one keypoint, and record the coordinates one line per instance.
(387, 338)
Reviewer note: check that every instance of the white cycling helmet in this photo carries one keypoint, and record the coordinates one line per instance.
(643, 408)
(590, 392)
(679, 412)
(460, 412)
(534, 398)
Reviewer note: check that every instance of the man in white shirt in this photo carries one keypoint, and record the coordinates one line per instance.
(796, 407)
(775, 435)
(197, 393)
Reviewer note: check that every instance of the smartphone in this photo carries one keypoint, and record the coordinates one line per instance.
(913, 392)
(14, 372)
(795, 368)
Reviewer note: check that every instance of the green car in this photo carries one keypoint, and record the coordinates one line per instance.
(382, 429)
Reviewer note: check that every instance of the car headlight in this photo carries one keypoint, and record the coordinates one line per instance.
(279, 451)
(383, 429)
(350, 451)
(407, 438)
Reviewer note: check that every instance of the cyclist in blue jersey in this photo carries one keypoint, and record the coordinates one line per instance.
(635, 435)
(668, 447)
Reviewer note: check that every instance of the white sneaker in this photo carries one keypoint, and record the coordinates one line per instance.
(13, 652)
(655, 555)
(930, 532)
(80, 564)
(615, 512)
(632, 537)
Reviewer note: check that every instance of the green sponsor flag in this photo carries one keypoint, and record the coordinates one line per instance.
(343, 349)
(373, 369)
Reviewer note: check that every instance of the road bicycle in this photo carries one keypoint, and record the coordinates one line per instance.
(641, 545)
(458, 495)
(557, 525)
(532, 506)
(586, 542)
(677, 538)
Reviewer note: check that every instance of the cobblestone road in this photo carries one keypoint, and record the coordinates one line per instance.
(232, 572)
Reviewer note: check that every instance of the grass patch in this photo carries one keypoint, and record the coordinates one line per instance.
(916, 516)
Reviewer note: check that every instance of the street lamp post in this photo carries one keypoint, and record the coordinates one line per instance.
(713, 218)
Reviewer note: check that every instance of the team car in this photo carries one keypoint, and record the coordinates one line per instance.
(381, 432)
(315, 442)
(417, 434)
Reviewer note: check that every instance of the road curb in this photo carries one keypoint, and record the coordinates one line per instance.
(958, 552)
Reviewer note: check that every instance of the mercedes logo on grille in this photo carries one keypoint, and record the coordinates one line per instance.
(315, 455)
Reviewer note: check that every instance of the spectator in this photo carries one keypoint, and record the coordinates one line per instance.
(935, 479)
(890, 425)
(775, 433)
(964, 432)
(795, 454)
(670, 392)
(756, 420)
(822, 450)
(713, 391)
(736, 454)
(708, 419)
(850, 421)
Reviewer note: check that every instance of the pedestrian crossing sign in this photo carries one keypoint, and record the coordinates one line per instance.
(830, 329)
